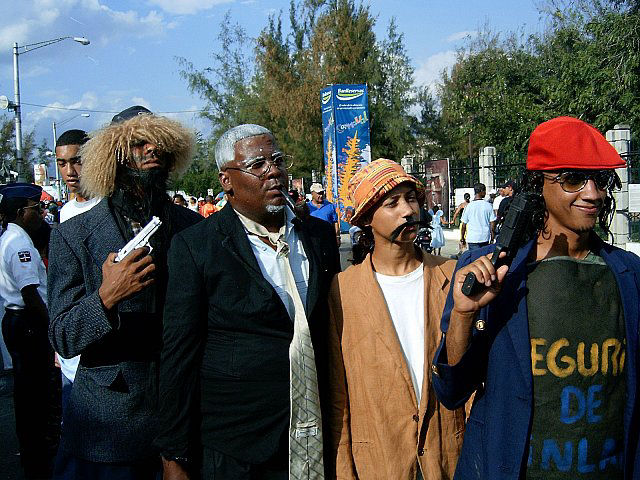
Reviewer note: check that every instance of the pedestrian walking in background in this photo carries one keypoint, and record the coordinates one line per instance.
(478, 220)
(437, 234)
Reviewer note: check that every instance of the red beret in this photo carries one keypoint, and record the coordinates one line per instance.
(566, 142)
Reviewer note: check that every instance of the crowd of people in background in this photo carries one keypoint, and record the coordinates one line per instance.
(230, 345)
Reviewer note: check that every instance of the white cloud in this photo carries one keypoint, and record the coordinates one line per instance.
(186, 7)
(33, 71)
(466, 34)
(28, 21)
(59, 111)
(141, 101)
(430, 71)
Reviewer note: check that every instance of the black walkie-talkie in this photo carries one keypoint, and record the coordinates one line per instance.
(515, 226)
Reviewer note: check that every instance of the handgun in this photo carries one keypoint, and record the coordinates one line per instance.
(515, 227)
(289, 201)
(140, 240)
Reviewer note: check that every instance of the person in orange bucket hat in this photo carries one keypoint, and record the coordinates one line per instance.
(383, 330)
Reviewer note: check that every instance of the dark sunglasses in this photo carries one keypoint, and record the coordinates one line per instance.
(573, 181)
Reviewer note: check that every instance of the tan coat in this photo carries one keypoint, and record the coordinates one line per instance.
(377, 429)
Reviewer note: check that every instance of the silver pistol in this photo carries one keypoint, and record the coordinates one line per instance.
(140, 240)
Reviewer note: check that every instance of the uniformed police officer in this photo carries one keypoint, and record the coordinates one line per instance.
(23, 286)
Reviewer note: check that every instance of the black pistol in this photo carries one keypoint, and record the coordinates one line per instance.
(515, 226)
(289, 201)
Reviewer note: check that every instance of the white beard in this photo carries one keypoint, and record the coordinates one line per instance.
(275, 208)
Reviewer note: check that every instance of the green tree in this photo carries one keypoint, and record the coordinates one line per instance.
(586, 64)
(393, 97)
(8, 147)
(330, 41)
(202, 174)
(226, 84)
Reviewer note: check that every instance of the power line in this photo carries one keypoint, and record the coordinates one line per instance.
(101, 111)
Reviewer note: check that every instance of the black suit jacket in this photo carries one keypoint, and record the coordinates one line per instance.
(110, 415)
(224, 375)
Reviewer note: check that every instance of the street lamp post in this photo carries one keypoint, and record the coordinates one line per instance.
(16, 90)
(55, 140)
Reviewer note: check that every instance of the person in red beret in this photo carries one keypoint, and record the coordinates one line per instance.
(551, 344)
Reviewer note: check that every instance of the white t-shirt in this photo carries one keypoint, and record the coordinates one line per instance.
(478, 215)
(404, 295)
(74, 207)
(69, 366)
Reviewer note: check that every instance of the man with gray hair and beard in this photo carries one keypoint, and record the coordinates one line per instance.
(108, 311)
(244, 350)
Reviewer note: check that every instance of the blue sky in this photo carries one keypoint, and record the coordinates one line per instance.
(131, 58)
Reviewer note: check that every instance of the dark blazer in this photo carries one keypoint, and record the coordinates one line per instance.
(497, 435)
(226, 339)
(109, 417)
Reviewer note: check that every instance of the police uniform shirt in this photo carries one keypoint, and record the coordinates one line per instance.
(20, 265)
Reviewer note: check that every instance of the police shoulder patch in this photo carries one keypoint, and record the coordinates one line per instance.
(24, 256)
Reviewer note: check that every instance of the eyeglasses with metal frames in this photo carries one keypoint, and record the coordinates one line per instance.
(37, 205)
(261, 166)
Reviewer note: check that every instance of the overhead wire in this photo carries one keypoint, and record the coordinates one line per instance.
(101, 111)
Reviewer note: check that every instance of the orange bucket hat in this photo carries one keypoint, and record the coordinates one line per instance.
(372, 182)
(567, 142)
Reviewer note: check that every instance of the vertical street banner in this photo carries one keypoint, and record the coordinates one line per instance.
(329, 142)
(347, 145)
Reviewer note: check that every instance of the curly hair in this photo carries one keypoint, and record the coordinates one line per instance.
(533, 181)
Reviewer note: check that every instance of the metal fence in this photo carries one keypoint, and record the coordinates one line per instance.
(509, 166)
(464, 173)
(633, 165)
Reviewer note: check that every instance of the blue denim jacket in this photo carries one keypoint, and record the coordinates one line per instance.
(497, 364)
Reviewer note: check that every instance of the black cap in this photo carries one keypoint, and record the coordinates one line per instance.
(129, 113)
(509, 183)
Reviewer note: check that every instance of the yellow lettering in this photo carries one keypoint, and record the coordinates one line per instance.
(551, 359)
(622, 356)
(536, 357)
(594, 360)
(608, 343)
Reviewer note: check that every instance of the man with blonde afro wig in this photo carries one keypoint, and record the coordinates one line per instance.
(110, 312)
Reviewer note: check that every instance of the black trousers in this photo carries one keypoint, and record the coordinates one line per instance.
(35, 396)
(218, 466)
(70, 467)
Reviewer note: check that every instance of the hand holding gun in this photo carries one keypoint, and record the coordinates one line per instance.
(130, 270)
(140, 240)
(516, 224)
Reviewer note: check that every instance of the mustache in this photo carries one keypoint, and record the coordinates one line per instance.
(409, 223)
